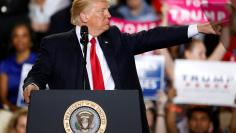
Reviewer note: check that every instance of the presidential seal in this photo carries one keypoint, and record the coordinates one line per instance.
(85, 117)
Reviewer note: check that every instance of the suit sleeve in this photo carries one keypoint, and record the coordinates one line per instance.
(42, 69)
(159, 37)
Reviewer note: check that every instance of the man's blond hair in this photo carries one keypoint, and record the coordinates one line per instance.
(78, 6)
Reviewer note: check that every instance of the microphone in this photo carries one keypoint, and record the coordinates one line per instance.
(84, 35)
(84, 41)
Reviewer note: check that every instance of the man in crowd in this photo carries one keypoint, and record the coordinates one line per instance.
(199, 120)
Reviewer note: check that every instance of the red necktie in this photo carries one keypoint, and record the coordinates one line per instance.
(98, 83)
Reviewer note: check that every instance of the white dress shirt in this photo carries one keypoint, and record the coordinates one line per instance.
(107, 77)
(106, 73)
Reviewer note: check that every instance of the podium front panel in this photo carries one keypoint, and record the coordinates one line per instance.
(47, 109)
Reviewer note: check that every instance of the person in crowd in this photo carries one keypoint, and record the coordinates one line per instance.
(113, 9)
(188, 118)
(42, 10)
(11, 12)
(18, 122)
(137, 10)
(10, 67)
(196, 50)
(231, 52)
(160, 126)
(155, 111)
(199, 120)
(5, 116)
(232, 127)
(176, 52)
(151, 115)
(40, 13)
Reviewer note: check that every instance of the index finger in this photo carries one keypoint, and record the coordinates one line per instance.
(26, 96)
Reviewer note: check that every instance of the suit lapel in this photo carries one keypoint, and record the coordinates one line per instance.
(109, 55)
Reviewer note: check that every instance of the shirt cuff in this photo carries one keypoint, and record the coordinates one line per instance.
(192, 30)
(35, 86)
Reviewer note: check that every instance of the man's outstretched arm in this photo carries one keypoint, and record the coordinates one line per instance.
(163, 37)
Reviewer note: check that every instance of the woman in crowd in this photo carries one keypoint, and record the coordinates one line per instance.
(18, 122)
(10, 68)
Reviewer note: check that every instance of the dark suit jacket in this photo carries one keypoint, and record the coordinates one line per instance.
(60, 60)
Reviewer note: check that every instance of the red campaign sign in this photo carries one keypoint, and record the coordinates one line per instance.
(133, 26)
(197, 11)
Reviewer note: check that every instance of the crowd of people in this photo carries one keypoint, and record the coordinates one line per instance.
(24, 23)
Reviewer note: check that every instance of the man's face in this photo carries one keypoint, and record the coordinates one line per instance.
(199, 123)
(98, 17)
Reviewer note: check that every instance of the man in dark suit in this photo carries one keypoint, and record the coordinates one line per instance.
(110, 54)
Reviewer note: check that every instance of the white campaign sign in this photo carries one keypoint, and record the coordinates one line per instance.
(25, 69)
(205, 82)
